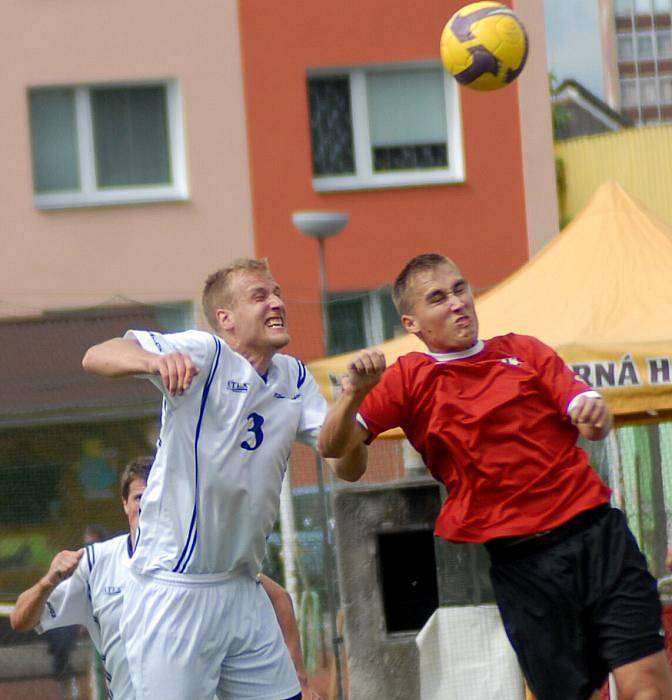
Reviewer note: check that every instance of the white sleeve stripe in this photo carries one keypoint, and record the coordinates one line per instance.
(361, 421)
(591, 394)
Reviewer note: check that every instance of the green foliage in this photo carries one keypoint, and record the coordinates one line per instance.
(560, 116)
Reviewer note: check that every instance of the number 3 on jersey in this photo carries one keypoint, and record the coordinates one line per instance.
(254, 423)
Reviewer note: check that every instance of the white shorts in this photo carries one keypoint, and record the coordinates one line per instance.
(193, 640)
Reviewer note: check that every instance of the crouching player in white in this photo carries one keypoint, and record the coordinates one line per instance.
(86, 587)
(232, 408)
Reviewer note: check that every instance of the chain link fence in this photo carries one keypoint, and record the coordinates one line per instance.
(60, 476)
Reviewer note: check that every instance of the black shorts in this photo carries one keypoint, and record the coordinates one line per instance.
(576, 603)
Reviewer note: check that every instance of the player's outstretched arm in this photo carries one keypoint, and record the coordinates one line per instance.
(592, 417)
(284, 611)
(123, 357)
(342, 438)
(30, 604)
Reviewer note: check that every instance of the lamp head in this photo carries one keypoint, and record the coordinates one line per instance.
(320, 224)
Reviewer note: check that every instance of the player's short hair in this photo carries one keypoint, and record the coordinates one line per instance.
(217, 291)
(137, 468)
(401, 292)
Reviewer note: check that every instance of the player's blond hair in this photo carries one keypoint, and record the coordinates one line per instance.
(402, 292)
(137, 468)
(217, 293)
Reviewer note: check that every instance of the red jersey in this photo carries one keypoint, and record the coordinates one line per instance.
(491, 423)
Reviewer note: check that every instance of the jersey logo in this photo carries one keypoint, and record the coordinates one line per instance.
(238, 387)
(51, 610)
(112, 590)
(511, 361)
(278, 395)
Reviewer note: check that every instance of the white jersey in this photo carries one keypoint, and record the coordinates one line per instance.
(213, 493)
(92, 597)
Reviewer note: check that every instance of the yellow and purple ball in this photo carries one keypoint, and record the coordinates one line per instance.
(484, 45)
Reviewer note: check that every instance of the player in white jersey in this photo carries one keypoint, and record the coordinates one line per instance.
(232, 409)
(86, 588)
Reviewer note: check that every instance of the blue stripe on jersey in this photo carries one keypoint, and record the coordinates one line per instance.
(302, 374)
(190, 544)
(90, 556)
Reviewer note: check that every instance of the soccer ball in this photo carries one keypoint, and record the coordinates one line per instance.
(484, 45)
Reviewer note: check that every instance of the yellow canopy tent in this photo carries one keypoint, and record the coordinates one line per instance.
(600, 294)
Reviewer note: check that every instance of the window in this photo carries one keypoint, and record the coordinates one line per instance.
(361, 319)
(665, 86)
(647, 87)
(30, 491)
(663, 43)
(629, 97)
(384, 127)
(625, 47)
(642, 7)
(178, 316)
(644, 47)
(408, 579)
(662, 6)
(107, 144)
(623, 8)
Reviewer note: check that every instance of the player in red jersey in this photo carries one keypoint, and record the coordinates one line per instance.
(497, 422)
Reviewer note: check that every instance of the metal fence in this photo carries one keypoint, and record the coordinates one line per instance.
(58, 478)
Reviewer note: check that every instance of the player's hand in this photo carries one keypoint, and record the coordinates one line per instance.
(364, 372)
(307, 693)
(592, 412)
(176, 369)
(63, 566)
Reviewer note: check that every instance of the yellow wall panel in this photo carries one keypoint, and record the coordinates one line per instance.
(640, 160)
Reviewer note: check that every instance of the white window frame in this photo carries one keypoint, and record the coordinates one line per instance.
(365, 177)
(90, 194)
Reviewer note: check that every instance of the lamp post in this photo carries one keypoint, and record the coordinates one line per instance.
(322, 225)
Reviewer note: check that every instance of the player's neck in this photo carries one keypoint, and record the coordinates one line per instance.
(259, 359)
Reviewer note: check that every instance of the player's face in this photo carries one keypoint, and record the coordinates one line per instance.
(132, 503)
(258, 319)
(442, 310)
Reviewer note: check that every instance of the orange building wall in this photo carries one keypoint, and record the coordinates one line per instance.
(480, 223)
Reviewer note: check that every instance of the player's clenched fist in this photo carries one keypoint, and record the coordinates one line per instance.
(63, 566)
(364, 372)
(590, 410)
(592, 417)
(176, 369)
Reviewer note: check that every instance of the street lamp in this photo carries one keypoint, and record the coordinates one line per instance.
(321, 225)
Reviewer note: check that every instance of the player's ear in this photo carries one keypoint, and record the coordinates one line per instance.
(409, 323)
(224, 319)
(124, 503)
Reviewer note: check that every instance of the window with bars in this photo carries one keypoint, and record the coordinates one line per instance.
(106, 144)
(384, 126)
